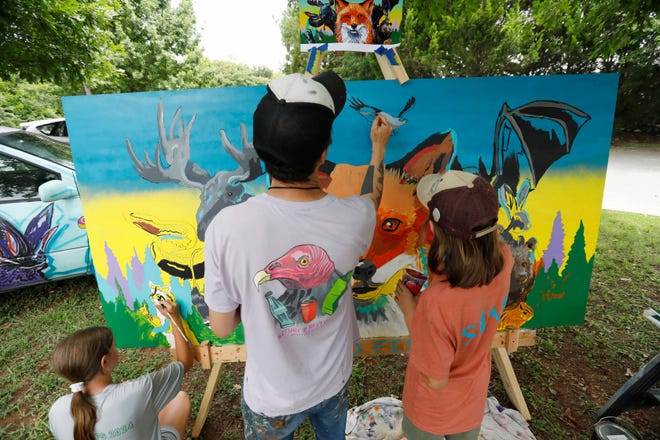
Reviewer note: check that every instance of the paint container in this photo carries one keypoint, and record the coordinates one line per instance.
(413, 280)
(609, 428)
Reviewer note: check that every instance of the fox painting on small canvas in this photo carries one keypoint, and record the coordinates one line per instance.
(350, 25)
(354, 22)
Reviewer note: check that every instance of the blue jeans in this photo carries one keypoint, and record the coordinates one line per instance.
(328, 419)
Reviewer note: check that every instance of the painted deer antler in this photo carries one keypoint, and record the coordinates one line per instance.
(176, 149)
(225, 188)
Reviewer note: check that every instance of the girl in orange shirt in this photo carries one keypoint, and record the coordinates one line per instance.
(452, 323)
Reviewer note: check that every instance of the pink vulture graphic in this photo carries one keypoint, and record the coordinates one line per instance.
(313, 286)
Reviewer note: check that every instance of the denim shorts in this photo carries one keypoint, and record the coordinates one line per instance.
(328, 419)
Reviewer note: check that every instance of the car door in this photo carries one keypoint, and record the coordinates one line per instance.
(42, 238)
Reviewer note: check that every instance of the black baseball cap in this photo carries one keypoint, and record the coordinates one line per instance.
(293, 121)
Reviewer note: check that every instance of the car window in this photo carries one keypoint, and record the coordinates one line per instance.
(47, 129)
(20, 180)
(59, 129)
(41, 147)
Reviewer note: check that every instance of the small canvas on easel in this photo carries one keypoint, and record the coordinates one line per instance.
(362, 26)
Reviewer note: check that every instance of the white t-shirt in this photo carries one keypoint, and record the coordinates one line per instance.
(125, 411)
(289, 266)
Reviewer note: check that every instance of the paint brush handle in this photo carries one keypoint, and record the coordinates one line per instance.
(179, 329)
(172, 322)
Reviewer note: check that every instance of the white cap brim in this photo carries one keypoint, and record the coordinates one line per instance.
(298, 88)
(432, 184)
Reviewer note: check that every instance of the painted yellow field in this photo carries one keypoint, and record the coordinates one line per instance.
(579, 195)
(111, 218)
(170, 216)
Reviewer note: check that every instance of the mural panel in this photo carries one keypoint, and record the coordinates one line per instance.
(155, 167)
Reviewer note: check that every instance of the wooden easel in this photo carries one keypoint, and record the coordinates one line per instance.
(388, 61)
(504, 342)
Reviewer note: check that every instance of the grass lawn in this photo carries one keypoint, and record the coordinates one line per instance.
(565, 378)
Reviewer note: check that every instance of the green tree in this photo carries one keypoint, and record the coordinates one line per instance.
(210, 73)
(22, 101)
(296, 61)
(156, 46)
(535, 37)
(467, 38)
(58, 40)
(458, 38)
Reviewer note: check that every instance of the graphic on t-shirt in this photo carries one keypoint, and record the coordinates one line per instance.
(313, 286)
(474, 330)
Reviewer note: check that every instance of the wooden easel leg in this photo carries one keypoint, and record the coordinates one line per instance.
(390, 64)
(511, 385)
(211, 386)
(385, 66)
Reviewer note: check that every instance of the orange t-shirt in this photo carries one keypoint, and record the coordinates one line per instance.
(451, 336)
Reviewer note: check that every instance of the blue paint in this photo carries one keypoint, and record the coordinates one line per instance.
(467, 106)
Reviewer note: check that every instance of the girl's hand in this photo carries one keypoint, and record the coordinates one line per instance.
(404, 296)
(183, 351)
(169, 309)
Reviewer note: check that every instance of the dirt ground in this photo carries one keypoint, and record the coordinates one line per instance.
(575, 393)
(582, 386)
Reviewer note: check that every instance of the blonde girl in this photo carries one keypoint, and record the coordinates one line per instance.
(149, 407)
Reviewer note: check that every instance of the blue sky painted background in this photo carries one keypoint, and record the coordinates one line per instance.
(100, 124)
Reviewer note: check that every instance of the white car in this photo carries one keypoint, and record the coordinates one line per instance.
(43, 234)
(53, 128)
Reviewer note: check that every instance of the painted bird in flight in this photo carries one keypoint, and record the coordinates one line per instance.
(370, 112)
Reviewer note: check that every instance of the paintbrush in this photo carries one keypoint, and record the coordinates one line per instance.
(175, 324)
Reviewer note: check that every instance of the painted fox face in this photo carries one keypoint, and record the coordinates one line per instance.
(400, 217)
(354, 22)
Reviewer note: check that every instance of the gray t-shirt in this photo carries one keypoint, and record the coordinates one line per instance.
(289, 266)
(126, 411)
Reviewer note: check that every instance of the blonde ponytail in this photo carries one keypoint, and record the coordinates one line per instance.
(78, 358)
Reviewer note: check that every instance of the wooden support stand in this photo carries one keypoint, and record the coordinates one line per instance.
(213, 358)
(504, 342)
(209, 392)
(509, 341)
(391, 66)
(388, 61)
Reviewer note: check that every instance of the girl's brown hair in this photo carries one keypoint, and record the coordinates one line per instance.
(78, 358)
(465, 263)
